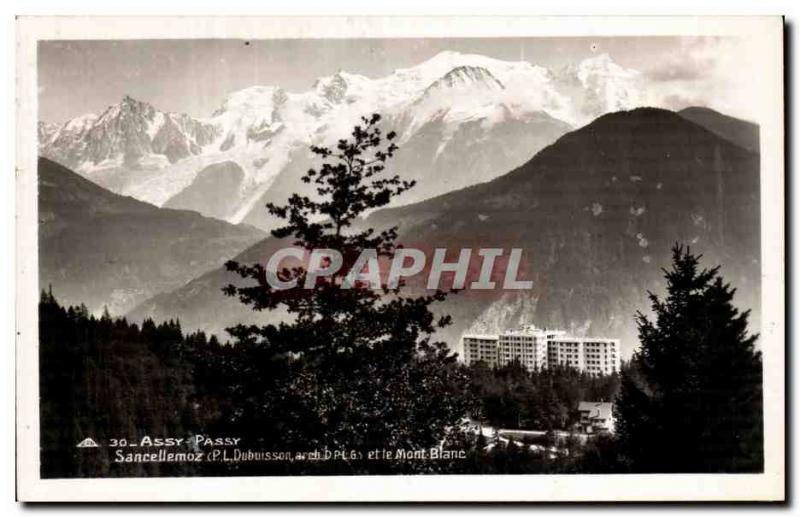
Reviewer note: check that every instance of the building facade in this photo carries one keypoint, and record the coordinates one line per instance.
(596, 417)
(537, 348)
(479, 347)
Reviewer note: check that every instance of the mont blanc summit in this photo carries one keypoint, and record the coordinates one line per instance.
(256, 141)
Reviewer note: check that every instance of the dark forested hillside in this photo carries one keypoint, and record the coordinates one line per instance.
(596, 214)
(102, 249)
(104, 379)
(740, 132)
(107, 380)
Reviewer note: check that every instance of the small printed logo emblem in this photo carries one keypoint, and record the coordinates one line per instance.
(88, 442)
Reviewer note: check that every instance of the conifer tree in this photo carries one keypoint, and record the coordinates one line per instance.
(354, 366)
(692, 399)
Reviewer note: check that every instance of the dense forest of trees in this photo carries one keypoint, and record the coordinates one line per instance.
(107, 378)
(547, 399)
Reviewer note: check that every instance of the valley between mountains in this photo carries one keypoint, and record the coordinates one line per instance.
(139, 209)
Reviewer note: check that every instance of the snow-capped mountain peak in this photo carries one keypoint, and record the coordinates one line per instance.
(125, 142)
(446, 61)
(603, 65)
(81, 122)
(599, 85)
(467, 75)
(336, 88)
(450, 104)
(128, 107)
(254, 98)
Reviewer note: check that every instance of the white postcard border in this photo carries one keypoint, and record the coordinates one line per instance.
(765, 31)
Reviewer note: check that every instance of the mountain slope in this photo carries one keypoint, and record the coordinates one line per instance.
(212, 189)
(740, 132)
(462, 119)
(596, 214)
(440, 158)
(99, 248)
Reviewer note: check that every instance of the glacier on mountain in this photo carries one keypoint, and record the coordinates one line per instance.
(508, 110)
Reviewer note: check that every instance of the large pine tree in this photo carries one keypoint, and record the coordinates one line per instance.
(692, 399)
(351, 368)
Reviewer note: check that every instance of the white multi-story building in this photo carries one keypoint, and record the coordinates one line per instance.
(599, 356)
(478, 347)
(529, 345)
(537, 348)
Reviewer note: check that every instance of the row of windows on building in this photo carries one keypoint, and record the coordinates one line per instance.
(537, 348)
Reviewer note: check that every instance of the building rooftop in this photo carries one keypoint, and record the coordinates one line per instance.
(601, 410)
(481, 336)
(528, 330)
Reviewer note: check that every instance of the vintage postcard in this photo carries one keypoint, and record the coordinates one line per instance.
(400, 259)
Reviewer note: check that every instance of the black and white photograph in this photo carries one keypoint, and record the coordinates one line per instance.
(543, 254)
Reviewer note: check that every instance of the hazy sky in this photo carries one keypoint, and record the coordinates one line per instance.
(194, 76)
